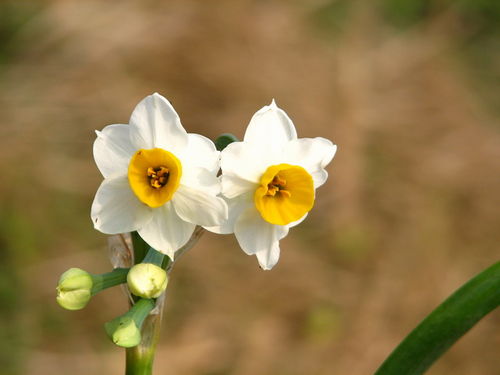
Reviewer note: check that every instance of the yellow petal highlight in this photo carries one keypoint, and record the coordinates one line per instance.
(285, 194)
(154, 176)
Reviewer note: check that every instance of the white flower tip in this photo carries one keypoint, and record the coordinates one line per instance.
(157, 95)
(161, 97)
(98, 133)
(96, 222)
(331, 154)
(265, 267)
(271, 107)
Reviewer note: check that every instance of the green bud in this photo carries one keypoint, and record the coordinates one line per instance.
(147, 280)
(223, 140)
(76, 286)
(74, 289)
(123, 331)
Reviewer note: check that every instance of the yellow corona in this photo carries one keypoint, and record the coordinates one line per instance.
(154, 176)
(285, 194)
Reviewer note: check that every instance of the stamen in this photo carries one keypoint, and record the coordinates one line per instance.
(277, 185)
(272, 190)
(277, 180)
(158, 177)
(285, 193)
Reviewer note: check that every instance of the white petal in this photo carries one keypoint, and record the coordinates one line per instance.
(201, 179)
(246, 161)
(116, 209)
(314, 154)
(233, 186)
(198, 207)
(154, 123)
(257, 236)
(201, 152)
(270, 128)
(319, 177)
(235, 207)
(269, 257)
(166, 232)
(113, 150)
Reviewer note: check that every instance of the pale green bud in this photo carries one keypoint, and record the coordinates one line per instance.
(76, 286)
(74, 289)
(123, 331)
(147, 280)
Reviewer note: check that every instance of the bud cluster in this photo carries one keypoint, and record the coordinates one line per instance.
(146, 281)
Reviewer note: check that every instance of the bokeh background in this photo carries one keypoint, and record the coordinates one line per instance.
(409, 90)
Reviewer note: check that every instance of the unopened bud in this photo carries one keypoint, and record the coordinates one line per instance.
(123, 331)
(76, 286)
(74, 289)
(147, 280)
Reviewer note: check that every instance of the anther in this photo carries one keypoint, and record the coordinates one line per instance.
(158, 177)
(277, 185)
(285, 193)
(277, 180)
(272, 190)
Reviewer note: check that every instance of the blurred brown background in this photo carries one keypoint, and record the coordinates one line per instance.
(407, 89)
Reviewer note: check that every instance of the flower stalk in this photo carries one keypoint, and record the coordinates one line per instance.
(139, 358)
(110, 279)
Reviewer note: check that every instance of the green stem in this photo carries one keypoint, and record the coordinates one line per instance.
(139, 359)
(140, 247)
(141, 310)
(445, 325)
(138, 362)
(154, 257)
(107, 280)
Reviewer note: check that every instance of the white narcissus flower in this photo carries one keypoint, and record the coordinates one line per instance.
(269, 180)
(158, 179)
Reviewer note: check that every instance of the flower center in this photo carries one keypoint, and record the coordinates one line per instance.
(158, 177)
(154, 176)
(277, 186)
(285, 194)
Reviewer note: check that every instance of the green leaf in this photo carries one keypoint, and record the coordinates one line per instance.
(445, 325)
